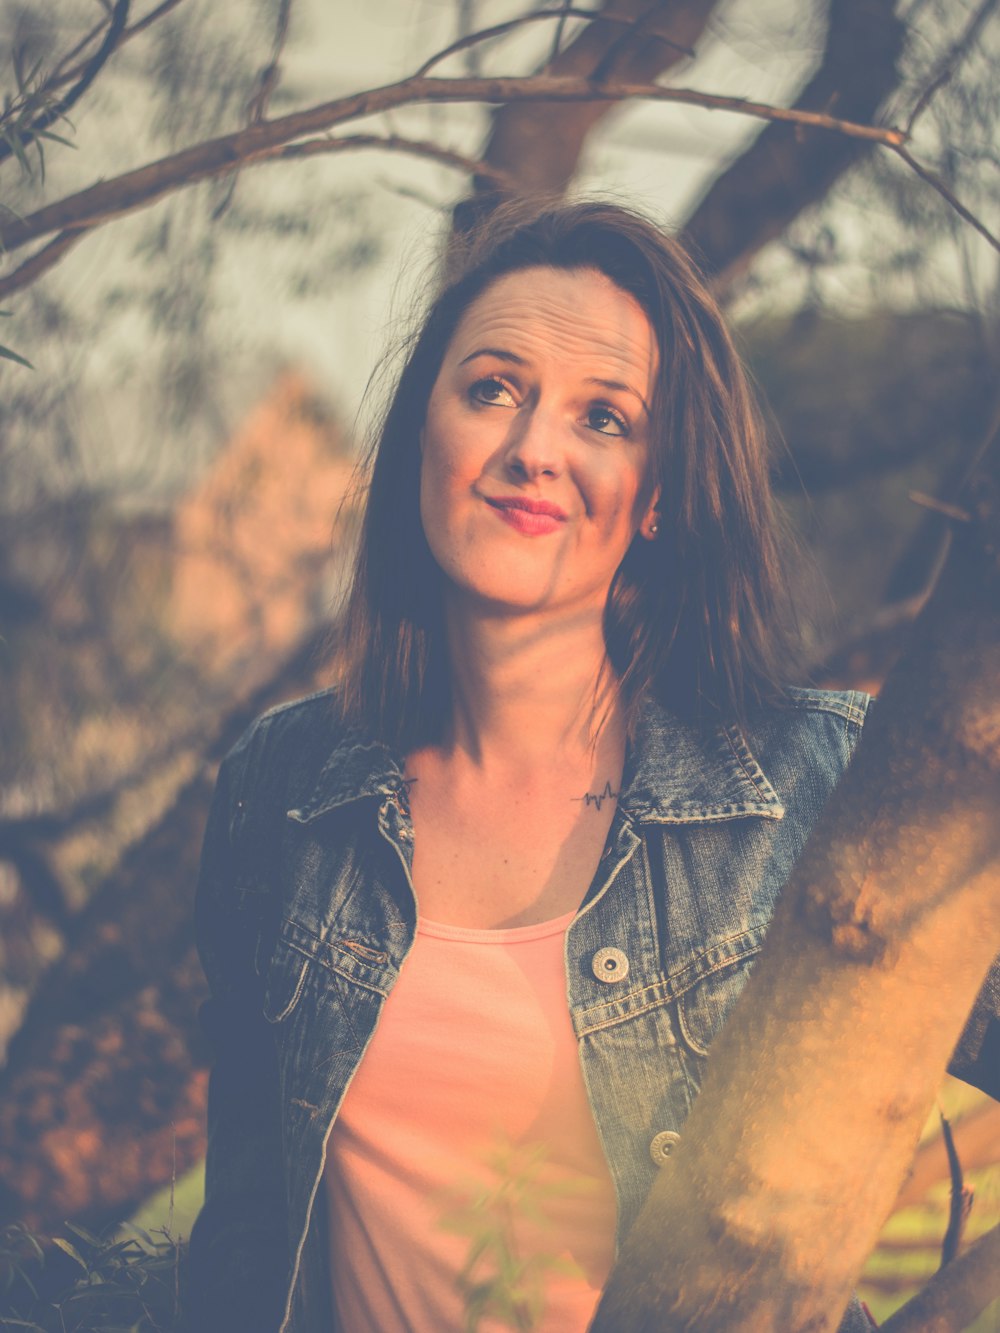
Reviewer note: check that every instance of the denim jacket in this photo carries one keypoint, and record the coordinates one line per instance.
(306, 912)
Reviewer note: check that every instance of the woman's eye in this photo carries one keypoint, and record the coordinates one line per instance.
(493, 392)
(605, 419)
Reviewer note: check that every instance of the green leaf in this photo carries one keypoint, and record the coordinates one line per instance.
(71, 1250)
(56, 138)
(86, 1235)
(7, 355)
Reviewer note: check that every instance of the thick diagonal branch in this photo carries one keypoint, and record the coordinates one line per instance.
(822, 1078)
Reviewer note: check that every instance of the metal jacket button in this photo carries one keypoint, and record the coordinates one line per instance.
(663, 1145)
(610, 965)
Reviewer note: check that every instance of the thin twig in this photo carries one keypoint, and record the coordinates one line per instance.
(267, 81)
(392, 142)
(606, 64)
(561, 14)
(61, 75)
(33, 268)
(269, 75)
(951, 61)
(558, 36)
(960, 1198)
(936, 183)
(92, 68)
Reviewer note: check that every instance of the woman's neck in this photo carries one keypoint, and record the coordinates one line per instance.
(532, 693)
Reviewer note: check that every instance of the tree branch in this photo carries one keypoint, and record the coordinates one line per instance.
(144, 185)
(950, 198)
(50, 254)
(60, 75)
(268, 77)
(955, 1295)
(392, 142)
(41, 261)
(90, 72)
(951, 62)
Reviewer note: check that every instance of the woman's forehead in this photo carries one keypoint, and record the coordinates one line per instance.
(543, 314)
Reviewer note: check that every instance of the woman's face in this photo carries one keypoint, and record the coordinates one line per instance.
(536, 445)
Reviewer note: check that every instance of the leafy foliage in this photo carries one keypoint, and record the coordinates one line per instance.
(128, 1282)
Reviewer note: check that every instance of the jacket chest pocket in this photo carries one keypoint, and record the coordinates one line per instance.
(704, 1007)
(284, 974)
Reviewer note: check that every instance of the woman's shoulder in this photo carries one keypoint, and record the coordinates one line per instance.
(851, 705)
(806, 730)
(285, 749)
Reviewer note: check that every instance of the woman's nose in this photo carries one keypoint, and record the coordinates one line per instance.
(533, 447)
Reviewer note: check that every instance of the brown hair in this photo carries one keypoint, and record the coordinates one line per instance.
(696, 617)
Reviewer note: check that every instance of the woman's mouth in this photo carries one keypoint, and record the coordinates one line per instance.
(532, 518)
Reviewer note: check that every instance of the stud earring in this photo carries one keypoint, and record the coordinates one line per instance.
(654, 528)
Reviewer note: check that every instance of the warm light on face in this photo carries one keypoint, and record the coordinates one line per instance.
(536, 443)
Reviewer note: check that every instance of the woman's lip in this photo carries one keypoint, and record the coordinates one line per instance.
(533, 518)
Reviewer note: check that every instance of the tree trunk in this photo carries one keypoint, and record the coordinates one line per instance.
(540, 146)
(787, 169)
(824, 1074)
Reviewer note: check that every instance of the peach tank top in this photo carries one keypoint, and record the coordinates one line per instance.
(466, 1147)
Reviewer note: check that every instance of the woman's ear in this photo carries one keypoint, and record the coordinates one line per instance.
(650, 525)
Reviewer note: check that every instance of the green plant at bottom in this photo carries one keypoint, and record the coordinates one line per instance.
(498, 1281)
(128, 1282)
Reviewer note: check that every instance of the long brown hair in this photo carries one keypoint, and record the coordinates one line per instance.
(696, 617)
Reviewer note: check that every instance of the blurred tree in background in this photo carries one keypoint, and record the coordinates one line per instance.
(174, 473)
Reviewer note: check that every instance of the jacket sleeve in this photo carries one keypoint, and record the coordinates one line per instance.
(238, 1253)
(976, 1058)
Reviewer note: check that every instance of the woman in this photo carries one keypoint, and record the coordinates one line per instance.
(472, 921)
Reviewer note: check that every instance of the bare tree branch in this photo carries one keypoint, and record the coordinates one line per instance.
(557, 36)
(955, 1295)
(144, 185)
(266, 140)
(51, 254)
(269, 75)
(40, 262)
(60, 75)
(951, 61)
(391, 142)
(948, 195)
(267, 81)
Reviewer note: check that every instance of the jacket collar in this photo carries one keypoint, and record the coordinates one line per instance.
(674, 774)
(678, 774)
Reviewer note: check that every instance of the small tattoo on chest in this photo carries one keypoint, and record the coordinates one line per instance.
(597, 798)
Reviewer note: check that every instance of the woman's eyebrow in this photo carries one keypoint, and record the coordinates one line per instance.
(500, 353)
(621, 386)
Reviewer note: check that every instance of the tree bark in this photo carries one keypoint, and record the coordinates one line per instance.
(824, 1074)
(539, 146)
